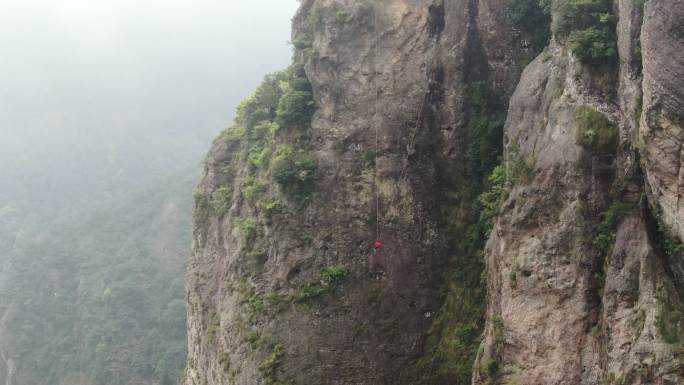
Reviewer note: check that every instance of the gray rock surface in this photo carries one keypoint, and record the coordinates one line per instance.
(662, 121)
(388, 80)
(391, 79)
(560, 311)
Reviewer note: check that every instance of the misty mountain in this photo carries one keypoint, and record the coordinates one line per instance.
(106, 111)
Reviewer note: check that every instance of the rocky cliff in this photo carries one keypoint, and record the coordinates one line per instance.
(413, 122)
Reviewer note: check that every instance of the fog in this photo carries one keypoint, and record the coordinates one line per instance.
(97, 94)
(107, 108)
(71, 68)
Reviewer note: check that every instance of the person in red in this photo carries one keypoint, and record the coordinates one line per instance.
(377, 245)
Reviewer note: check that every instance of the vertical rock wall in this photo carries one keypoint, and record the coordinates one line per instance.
(564, 308)
(389, 80)
(584, 272)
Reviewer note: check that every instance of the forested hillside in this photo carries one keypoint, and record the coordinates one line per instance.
(106, 110)
(91, 286)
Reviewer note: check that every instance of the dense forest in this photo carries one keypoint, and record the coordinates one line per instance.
(106, 111)
(92, 281)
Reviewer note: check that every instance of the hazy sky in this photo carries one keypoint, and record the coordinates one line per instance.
(108, 66)
(103, 94)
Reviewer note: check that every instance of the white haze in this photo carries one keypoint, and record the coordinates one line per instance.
(98, 89)
(110, 65)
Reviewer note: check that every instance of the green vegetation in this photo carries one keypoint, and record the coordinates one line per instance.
(491, 371)
(99, 286)
(277, 302)
(295, 171)
(224, 361)
(533, 19)
(303, 42)
(283, 102)
(330, 278)
(368, 158)
(611, 218)
(605, 237)
(475, 187)
(282, 105)
(221, 200)
(638, 110)
(251, 337)
(498, 182)
(594, 131)
(247, 228)
(589, 27)
(454, 336)
(296, 106)
(311, 291)
(260, 107)
(490, 368)
(492, 196)
(670, 318)
(269, 208)
(233, 134)
(517, 167)
(307, 239)
(483, 133)
(319, 15)
(213, 325)
(253, 188)
(259, 304)
(271, 363)
(201, 204)
(512, 279)
(256, 305)
(334, 274)
(596, 46)
(670, 245)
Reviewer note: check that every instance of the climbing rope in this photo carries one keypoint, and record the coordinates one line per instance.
(376, 124)
(379, 225)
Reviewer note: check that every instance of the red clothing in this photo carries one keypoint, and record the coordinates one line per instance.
(378, 244)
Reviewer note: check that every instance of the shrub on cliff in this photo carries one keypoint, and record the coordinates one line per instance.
(594, 131)
(263, 105)
(533, 19)
(589, 27)
(296, 106)
(222, 199)
(295, 171)
(284, 100)
(334, 274)
(490, 199)
(484, 131)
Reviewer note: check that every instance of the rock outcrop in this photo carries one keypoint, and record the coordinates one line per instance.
(580, 276)
(583, 265)
(662, 132)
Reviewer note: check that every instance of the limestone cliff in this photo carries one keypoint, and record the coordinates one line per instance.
(387, 126)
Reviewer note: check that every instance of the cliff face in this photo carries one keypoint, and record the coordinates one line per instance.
(584, 275)
(386, 127)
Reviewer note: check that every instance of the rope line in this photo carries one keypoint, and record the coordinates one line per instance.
(376, 123)
(413, 133)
